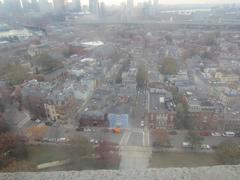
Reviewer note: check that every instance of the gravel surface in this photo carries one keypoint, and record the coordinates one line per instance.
(201, 173)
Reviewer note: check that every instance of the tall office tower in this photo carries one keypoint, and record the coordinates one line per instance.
(130, 4)
(44, 6)
(102, 9)
(13, 6)
(25, 5)
(58, 6)
(155, 2)
(94, 7)
(76, 5)
(34, 5)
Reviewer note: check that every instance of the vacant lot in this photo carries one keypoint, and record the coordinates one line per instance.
(186, 159)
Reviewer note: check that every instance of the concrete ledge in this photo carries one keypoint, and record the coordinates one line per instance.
(201, 173)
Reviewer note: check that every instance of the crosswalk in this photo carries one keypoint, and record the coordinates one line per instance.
(144, 133)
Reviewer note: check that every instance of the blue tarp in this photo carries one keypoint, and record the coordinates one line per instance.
(118, 120)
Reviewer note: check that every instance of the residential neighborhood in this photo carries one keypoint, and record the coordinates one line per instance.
(141, 88)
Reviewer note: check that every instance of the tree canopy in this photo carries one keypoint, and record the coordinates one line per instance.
(47, 63)
(228, 152)
(169, 66)
(142, 77)
(15, 73)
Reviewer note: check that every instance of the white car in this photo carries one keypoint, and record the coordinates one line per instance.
(205, 146)
(92, 141)
(142, 123)
(87, 130)
(187, 145)
(215, 134)
(229, 134)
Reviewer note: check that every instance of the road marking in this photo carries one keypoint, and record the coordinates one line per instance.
(121, 141)
(148, 138)
(143, 138)
(125, 138)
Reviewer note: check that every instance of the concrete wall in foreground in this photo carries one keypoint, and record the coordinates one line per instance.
(201, 173)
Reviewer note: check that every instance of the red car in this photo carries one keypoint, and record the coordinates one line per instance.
(205, 133)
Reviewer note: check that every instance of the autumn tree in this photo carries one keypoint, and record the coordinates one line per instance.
(160, 137)
(19, 166)
(108, 154)
(228, 152)
(169, 66)
(12, 147)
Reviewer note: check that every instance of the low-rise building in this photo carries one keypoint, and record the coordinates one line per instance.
(229, 96)
(205, 114)
(93, 118)
(160, 112)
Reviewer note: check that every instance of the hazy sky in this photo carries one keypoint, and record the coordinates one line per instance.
(173, 1)
(117, 2)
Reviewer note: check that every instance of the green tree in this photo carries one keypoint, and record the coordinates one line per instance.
(118, 78)
(169, 39)
(182, 116)
(16, 73)
(228, 152)
(169, 66)
(142, 77)
(195, 139)
(47, 63)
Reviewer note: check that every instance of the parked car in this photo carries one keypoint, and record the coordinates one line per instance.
(187, 145)
(48, 123)
(216, 134)
(80, 129)
(142, 123)
(87, 130)
(38, 121)
(205, 146)
(228, 134)
(237, 134)
(204, 133)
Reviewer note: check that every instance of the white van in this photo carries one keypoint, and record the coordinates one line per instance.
(229, 134)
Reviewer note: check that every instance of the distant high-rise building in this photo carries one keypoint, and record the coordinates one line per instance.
(102, 9)
(58, 5)
(155, 2)
(34, 5)
(74, 5)
(26, 5)
(45, 6)
(13, 6)
(94, 7)
(130, 4)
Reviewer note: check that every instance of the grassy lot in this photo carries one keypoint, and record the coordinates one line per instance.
(186, 159)
(43, 154)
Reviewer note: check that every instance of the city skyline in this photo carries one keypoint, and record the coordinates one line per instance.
(165, 2)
